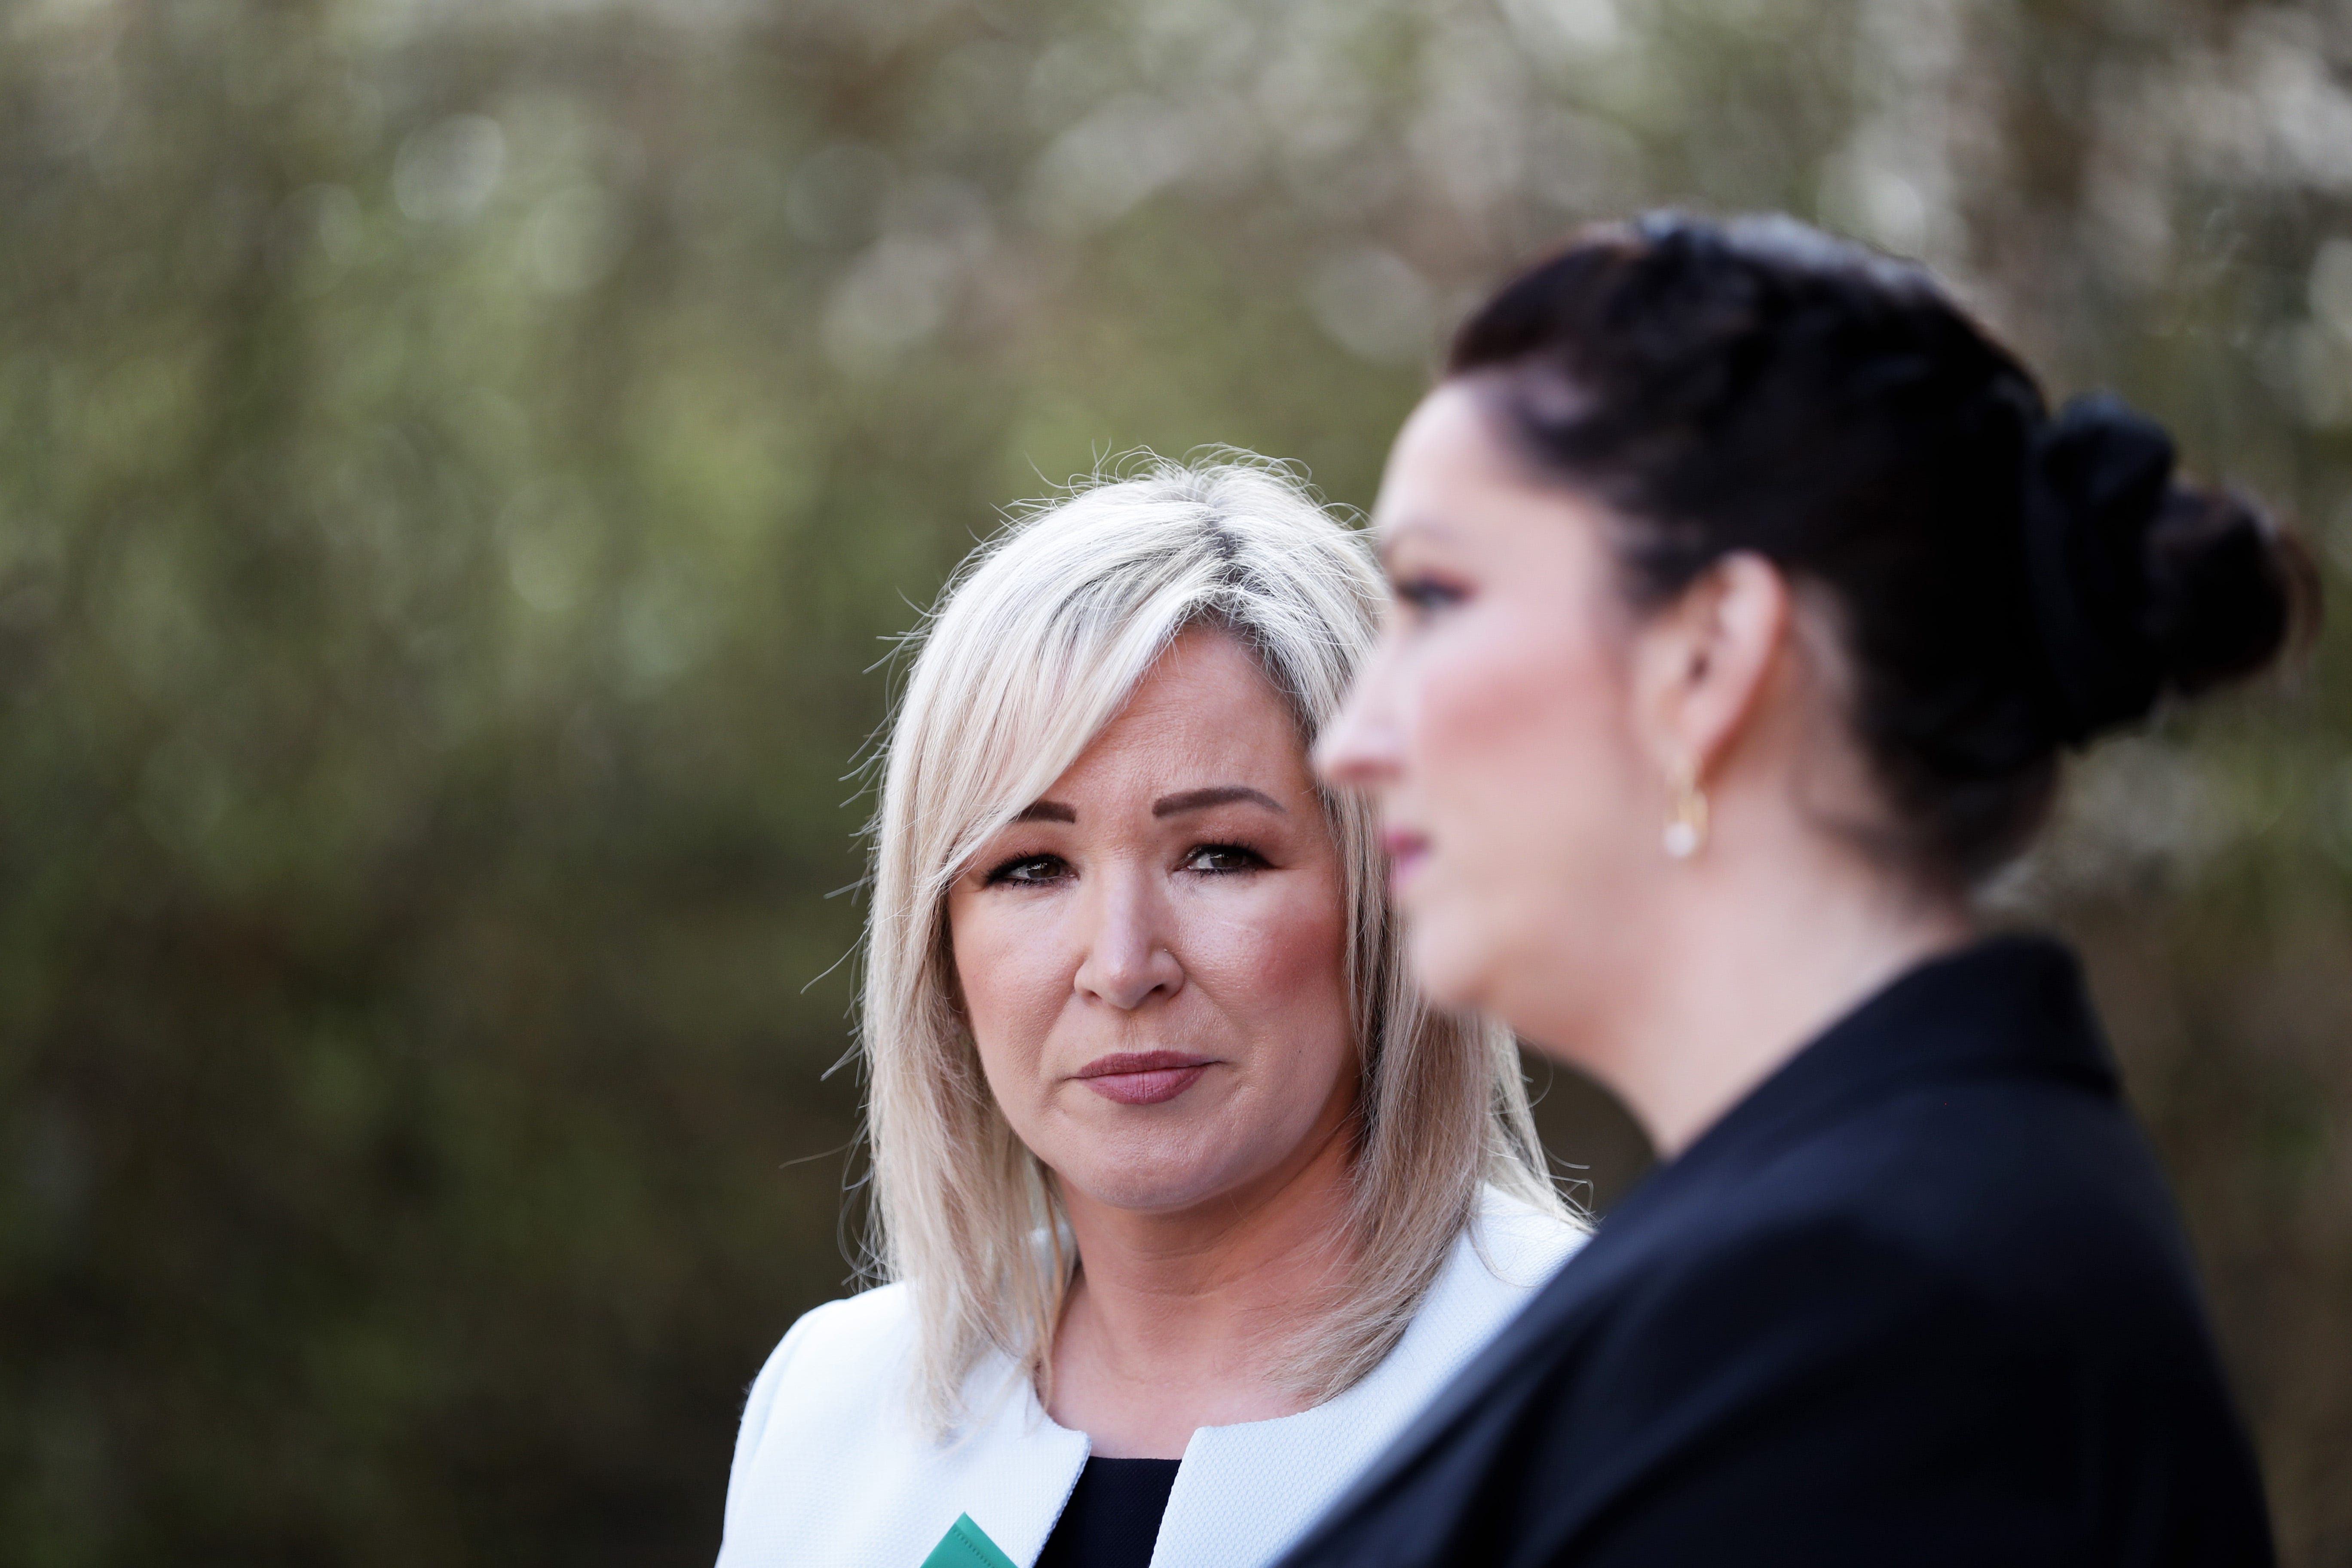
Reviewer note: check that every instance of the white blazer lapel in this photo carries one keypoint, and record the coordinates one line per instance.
(1014, 1474)
(1247, 1493)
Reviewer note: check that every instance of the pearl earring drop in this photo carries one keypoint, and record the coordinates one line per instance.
(1686, 833)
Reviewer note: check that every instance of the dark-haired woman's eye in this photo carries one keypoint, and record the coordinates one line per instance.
(1029, 871)
(1219, 859)
(1426, 596)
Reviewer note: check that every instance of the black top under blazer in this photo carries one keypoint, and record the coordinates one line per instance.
(1920, 1298)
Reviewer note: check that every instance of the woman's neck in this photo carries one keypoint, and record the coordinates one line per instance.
(1179, 1319)
(1752, 962)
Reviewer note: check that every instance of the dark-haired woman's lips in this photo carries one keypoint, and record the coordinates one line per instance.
(1406, 851)
(1143, 1078)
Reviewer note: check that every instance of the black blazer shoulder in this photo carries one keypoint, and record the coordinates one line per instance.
(1919, 1298)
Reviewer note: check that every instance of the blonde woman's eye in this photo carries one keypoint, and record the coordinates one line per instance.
(1223, 858)
(1029, 871)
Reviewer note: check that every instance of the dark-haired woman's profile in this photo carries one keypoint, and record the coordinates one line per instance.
(1746, 596)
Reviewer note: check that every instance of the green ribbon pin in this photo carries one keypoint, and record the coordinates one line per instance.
(966, 1546)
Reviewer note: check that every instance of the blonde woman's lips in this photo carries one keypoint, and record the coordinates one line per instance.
(1143, 1078)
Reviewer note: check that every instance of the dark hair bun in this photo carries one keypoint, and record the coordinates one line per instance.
(2143, 584)
(2225, 587)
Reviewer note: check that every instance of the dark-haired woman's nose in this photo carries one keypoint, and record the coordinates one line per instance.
(1361, 747)
(1128, 957)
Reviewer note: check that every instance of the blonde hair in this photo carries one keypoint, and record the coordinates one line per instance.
(1035, 646)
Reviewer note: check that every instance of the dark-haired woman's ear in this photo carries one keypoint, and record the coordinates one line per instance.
(1701, 670)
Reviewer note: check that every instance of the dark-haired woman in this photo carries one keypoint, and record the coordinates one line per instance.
(1747, 598)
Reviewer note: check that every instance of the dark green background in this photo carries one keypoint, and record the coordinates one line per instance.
(460, 464)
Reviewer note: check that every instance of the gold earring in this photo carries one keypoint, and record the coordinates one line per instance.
(1686, 833)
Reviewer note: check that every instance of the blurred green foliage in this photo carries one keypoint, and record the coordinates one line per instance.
(459, 464)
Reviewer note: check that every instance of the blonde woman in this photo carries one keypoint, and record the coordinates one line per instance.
(1185, 1202)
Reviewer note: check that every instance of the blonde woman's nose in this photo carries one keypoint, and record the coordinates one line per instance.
(1129, 960)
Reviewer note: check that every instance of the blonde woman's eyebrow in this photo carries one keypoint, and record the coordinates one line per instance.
(1216, 794)
(1047, 811)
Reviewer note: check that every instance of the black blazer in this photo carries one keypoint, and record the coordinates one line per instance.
(1920, 1298)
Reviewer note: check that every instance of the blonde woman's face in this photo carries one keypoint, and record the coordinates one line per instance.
(1152, 958)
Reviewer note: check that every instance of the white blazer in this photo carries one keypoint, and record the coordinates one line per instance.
(833, 1471)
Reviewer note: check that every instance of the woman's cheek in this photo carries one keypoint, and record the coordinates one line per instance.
(1467, 715)
(1490, 796)
(1283, 952)
(1237, 945)
(1007, 996)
